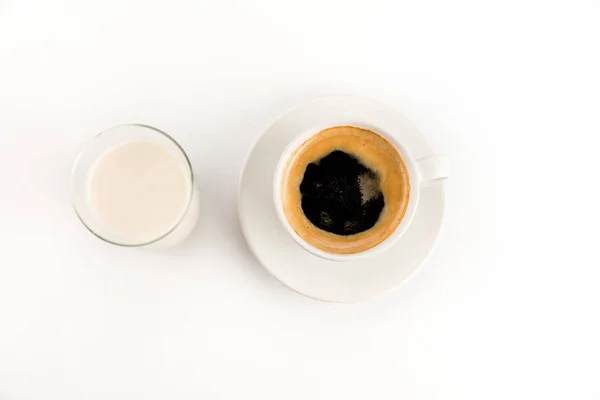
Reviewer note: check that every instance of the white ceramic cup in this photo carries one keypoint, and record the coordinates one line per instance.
(424, 171)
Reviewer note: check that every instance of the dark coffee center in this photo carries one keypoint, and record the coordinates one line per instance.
(340, 195)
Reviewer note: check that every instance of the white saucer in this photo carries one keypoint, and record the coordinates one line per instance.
(303, 272)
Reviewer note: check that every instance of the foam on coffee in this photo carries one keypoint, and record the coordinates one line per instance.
(345, 190)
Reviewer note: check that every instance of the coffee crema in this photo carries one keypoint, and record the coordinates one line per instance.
(345, 190)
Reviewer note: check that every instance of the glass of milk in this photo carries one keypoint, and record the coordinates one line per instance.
(133, 185)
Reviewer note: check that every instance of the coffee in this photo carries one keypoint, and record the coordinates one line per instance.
(345, 190)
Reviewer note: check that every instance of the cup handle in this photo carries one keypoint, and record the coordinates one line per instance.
(433, 169)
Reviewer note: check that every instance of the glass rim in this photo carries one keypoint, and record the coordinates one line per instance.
(189, 200)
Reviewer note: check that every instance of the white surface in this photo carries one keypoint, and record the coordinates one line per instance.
(270, 238)
(508, 305)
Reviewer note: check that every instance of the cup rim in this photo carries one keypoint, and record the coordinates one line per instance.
(411, 208)
(90, 143)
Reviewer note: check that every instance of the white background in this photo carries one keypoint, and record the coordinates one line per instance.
(508, 305)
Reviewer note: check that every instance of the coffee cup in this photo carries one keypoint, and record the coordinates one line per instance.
(362, 192)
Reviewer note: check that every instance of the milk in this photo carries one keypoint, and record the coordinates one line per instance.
(139, 191)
